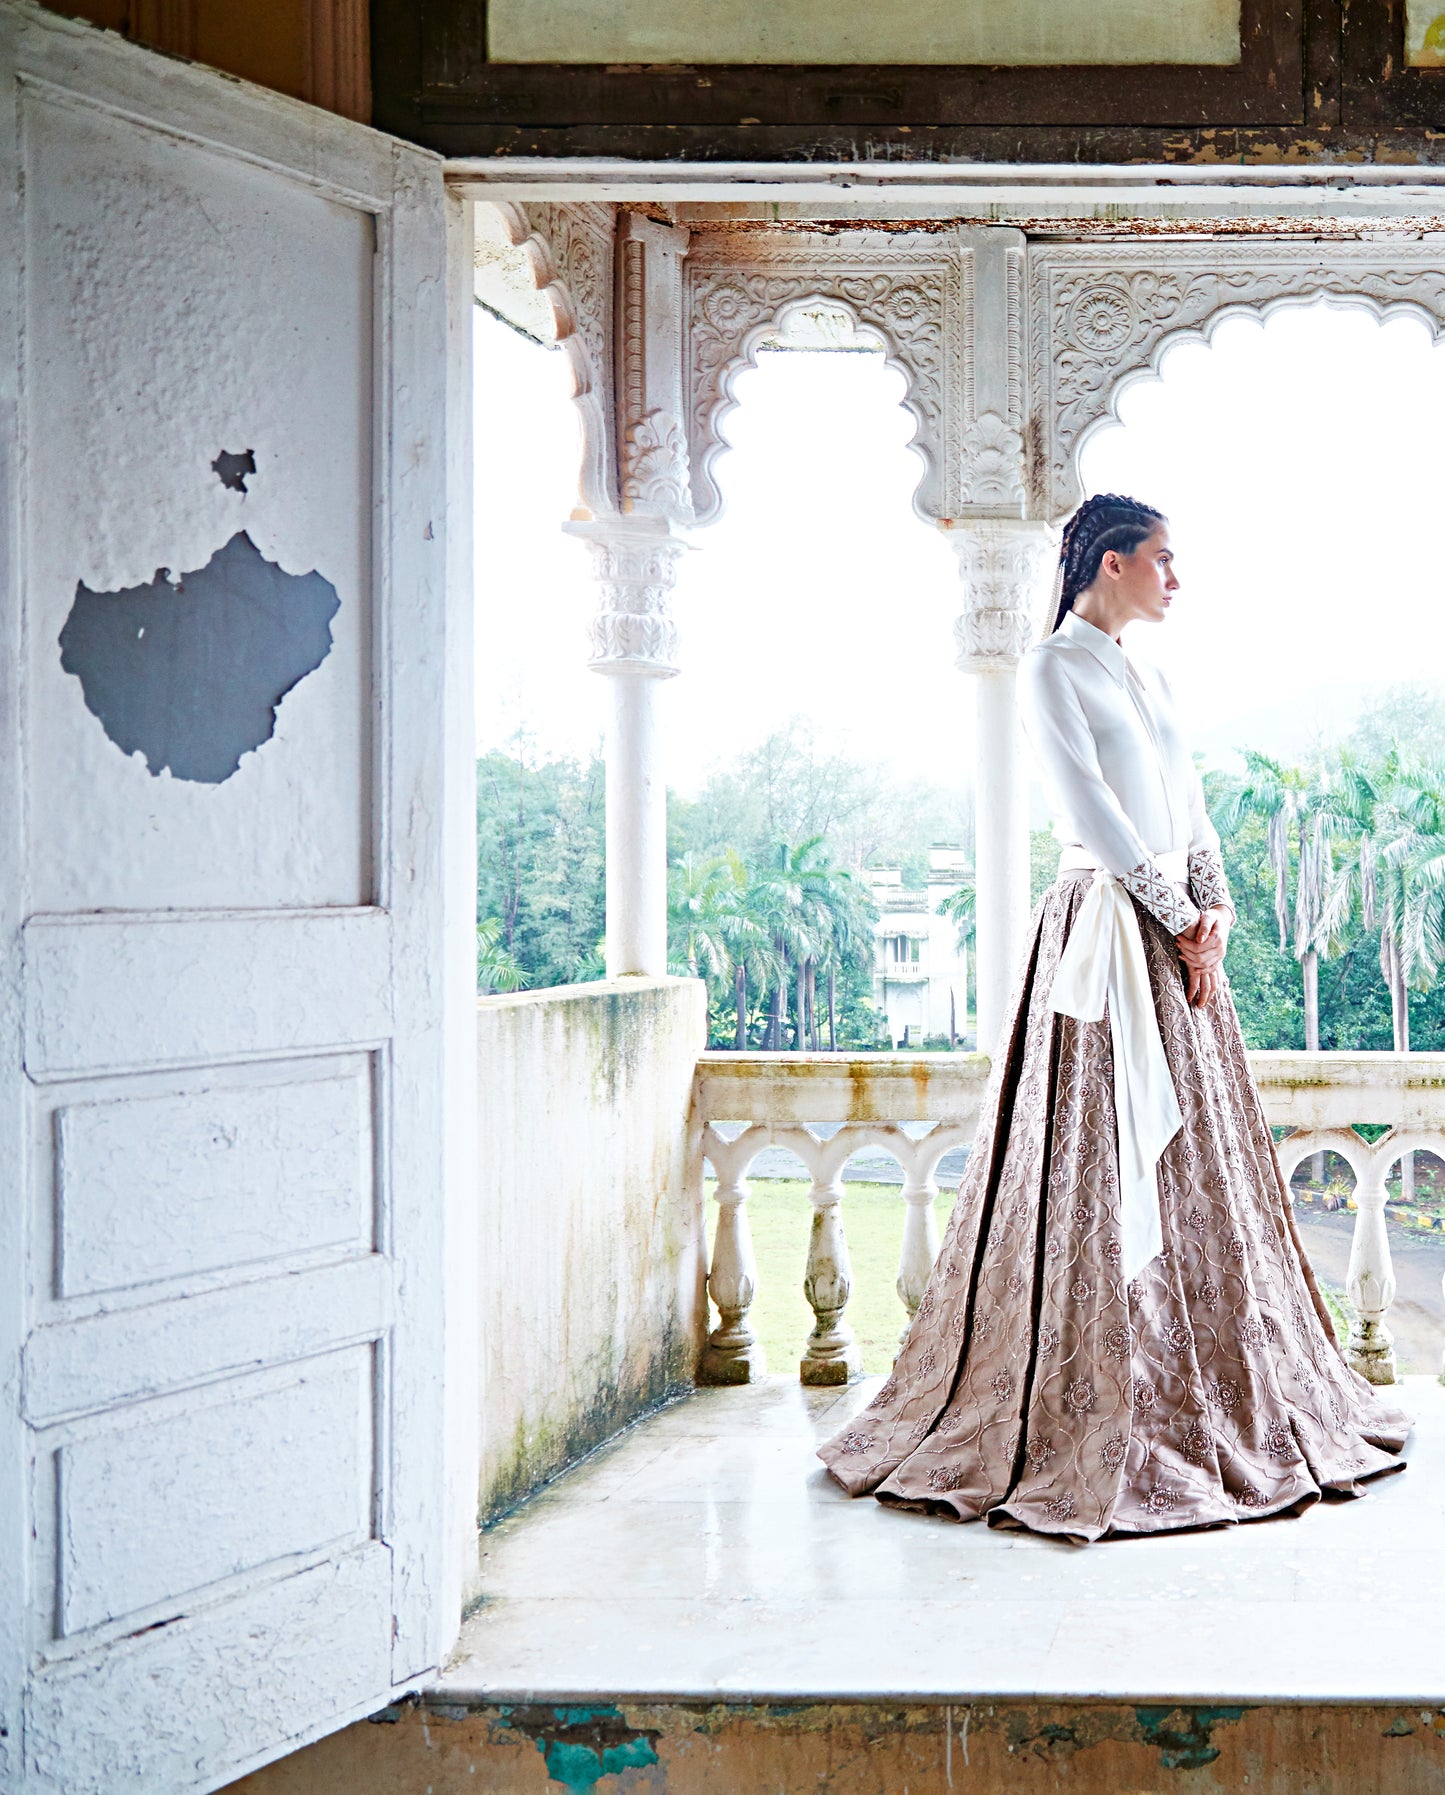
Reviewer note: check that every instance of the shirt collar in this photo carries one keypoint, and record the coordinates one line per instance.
(1105, 650)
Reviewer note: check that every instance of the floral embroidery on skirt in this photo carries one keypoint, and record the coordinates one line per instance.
(1036, 1387)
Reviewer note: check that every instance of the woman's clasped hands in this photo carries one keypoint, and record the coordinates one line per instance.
(1201, 947)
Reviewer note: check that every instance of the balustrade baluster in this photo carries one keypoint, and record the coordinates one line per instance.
(832, 1356)
(1370, 1281)
(733, 1354)
(919, 1248)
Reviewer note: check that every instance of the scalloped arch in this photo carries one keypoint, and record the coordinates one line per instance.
(1381, 311)
(1104, 316)
(569, 249)
(710, 442)
(912, 295)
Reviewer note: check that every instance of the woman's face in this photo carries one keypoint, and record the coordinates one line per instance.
(1142, 584)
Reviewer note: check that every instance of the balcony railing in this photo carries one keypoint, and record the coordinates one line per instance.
(902, 972)
(825, 1107)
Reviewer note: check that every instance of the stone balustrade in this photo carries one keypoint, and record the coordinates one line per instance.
(825, 1107)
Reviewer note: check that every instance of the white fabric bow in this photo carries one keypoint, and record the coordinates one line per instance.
(1104, 959)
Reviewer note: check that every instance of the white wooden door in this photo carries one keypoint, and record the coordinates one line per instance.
(222, 348)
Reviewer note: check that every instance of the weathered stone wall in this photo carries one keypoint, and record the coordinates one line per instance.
(591, 1252)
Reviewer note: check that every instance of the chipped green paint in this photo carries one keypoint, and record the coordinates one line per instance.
(582, 1745)
(1184, 1735)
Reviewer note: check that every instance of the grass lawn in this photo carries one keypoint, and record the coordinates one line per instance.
(781, 1216)
(873, 1220)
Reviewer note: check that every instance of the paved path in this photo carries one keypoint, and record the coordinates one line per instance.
(1417, 1319)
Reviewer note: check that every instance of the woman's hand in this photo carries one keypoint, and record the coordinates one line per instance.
(1202, 949)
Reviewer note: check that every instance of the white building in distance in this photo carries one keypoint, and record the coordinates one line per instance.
(920, 971)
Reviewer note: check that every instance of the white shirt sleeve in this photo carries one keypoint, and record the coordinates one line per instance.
(1060, 736)
(1059, 733)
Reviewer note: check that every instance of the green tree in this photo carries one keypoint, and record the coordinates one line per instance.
(1393, 878)
(1303, 810)
(497, 969)
(815, 914)
(961, 909)
(699, 895)
(540, 862)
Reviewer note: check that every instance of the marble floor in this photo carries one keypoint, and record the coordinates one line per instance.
(704, 1554)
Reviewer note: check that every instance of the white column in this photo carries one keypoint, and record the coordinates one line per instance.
(1007, 568)
(1370, 1279)
(634, 642)
(733, 1354)
(919, 1247)
(832, 1356)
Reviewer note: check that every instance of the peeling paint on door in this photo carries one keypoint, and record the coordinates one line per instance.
(189, 671)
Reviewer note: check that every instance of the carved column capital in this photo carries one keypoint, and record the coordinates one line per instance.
(635, 564)
(1007, 567)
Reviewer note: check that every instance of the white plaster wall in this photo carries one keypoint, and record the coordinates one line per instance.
(946, 966)
(590, 1218)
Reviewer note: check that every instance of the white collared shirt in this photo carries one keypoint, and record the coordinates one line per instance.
(1114, 762)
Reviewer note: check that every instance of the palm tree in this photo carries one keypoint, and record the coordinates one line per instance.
(781, 893)
(697, 893)
(497, 968)
(961, 908)
(1395, 879)
(818, 912)
(1303, 809)
(849, 914)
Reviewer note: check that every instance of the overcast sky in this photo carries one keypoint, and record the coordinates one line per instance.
(1300, 462)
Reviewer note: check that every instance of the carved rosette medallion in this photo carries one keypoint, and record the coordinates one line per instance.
(1103, 314)
(1007, 568)
(633, 631)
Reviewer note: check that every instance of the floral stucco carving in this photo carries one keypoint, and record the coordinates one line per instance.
(1100, 315)
(635, 564)
(991, 474)
(910, 291)
(654, 466)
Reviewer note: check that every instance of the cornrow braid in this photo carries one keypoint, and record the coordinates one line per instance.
(1107, 521)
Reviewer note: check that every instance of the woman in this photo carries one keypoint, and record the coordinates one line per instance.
(1121, 1333)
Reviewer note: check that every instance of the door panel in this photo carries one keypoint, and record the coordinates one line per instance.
(157, 1187)
(222, 650)
(146, 1508)
(183, 989)
(248, 301)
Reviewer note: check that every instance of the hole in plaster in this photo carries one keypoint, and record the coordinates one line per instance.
(231, 469)
(190, 669)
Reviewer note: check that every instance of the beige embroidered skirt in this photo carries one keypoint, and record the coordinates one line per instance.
(1039, 1388)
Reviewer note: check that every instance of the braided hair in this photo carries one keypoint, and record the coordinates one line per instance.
(1107, 521)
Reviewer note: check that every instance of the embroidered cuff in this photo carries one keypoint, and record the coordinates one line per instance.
(1207, 882)
(1160, 896)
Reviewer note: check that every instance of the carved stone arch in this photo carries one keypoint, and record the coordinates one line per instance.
(909, 291)
(1356, 1152)
(571, 250)
(1104, 316)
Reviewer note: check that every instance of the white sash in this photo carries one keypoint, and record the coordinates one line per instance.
(1104, 959)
